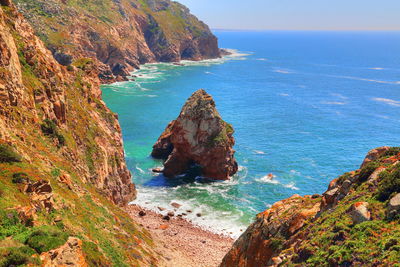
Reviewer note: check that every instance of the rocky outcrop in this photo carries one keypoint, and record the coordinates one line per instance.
(359, 212)
(41, 195)
(69, 254)
(198, 137)
(394, 206)
(374, 154)
(331, 230)
(271, 230)
(120, 35)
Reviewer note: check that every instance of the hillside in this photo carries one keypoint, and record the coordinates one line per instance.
(354, 223)
(62, 166)
(119, 35)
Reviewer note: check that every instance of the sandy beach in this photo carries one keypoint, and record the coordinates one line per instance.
(181, 243)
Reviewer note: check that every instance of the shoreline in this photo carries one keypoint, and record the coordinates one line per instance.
(180, 242)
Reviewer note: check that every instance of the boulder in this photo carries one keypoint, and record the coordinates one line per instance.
(142, 213)
(27, 215)
(394, 206)
(200, 138)
(171, 214)
(41, 195)
(359, 212)
(176, 205)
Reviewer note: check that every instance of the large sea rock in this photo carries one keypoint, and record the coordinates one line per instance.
(198, 137)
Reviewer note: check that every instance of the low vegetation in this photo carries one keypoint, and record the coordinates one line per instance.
(8, 154)
(333, 239)
(49, 128)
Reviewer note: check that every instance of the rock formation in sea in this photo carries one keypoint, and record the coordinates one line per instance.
(119, 35)
(198, 137)
(354, 223)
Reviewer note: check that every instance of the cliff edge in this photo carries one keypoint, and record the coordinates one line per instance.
(354, 223)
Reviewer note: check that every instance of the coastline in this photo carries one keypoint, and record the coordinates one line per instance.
(180, 242)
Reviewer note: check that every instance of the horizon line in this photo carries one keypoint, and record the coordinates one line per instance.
(307, 30)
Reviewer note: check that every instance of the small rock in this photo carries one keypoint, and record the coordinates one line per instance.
(315, 196)
(359, 212)
(176, 205)
(166, 218)
(142, 213)
(198, 214)
(163, 227)
(160, 209)
(189, 211)
(157, 170)
(276, 260)
(184, 214)
(203, 241)
(58, 219)
(171, 214)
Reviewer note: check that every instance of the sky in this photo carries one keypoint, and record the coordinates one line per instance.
(298, 14)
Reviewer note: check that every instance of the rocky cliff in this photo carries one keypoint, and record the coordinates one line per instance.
(354, 223)
(198, 137)
(119, 35)
(62, 166)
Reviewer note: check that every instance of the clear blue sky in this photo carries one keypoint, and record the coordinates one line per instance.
(298, 14)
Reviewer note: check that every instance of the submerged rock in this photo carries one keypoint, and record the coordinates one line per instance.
(198, 137)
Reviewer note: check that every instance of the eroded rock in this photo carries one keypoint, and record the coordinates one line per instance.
(69, 254)
(199, 136)
(41, 195)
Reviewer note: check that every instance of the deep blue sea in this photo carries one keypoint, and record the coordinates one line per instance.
(306, 107)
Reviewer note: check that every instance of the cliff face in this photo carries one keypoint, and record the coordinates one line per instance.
(62, 166)
(39, 95)
(199, 136)
(354, 223)
(119, 35)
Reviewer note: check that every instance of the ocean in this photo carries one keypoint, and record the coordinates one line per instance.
(306, 107)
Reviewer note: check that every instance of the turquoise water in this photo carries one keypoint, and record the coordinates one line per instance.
(306, 107)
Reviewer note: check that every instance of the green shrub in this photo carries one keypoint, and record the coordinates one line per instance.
(276, 244)
(49, 128)
(93, 256)
(20, 177)
(390, 183)
(83, 63)
(56, 172)
(11, 226)
(392, 152)
(16, 256)
(46, 238)
(367, 170)
(7, 154)
(229, 129)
